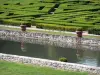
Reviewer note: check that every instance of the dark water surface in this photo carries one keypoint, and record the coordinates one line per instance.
(86, 57)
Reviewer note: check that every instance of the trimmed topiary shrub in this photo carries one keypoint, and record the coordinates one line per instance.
(95, 30)
(58, 27)
(63, 59)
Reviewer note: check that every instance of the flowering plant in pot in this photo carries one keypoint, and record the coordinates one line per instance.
(79, 32)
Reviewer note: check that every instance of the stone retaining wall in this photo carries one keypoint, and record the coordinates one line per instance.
(50, 63)
(51, 37)
(55, 40)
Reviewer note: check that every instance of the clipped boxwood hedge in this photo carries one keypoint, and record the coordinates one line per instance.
(11, 22)
(15, 22)
(95, 30)
(58, 27)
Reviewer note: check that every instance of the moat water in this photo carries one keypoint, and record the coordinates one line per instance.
(80, 56)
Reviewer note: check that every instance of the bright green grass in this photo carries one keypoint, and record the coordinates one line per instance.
(8, 68)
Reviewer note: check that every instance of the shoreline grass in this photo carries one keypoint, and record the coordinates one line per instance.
(9, 68)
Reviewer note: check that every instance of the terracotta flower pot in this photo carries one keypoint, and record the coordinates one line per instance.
(79, 33)
(23, 27)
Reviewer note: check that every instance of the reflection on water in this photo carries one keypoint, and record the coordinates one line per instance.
(23, 46)
(80, 56)
(88, 61)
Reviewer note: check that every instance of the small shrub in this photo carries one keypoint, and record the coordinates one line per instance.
(63, 59)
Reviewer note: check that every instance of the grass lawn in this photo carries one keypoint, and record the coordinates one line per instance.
(9, 68)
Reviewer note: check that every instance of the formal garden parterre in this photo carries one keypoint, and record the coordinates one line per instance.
(66, 15)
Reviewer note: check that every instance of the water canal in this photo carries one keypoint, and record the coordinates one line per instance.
(47, 51)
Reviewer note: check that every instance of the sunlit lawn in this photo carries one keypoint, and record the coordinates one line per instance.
(8, 68)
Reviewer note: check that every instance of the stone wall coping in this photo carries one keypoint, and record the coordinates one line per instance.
(50, 63)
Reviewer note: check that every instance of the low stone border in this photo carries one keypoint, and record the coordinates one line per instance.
(55, 40)
(53, 43)
(50, 63)
(50, 37)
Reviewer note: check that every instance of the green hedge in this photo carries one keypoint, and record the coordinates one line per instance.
(15, 22)
(95, 30)
(11, 22)
(57, 27)
(63, 23)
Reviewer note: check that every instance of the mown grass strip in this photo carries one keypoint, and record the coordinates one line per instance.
(8, 68)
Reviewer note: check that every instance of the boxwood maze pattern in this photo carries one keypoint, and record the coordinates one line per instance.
(76, 13)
